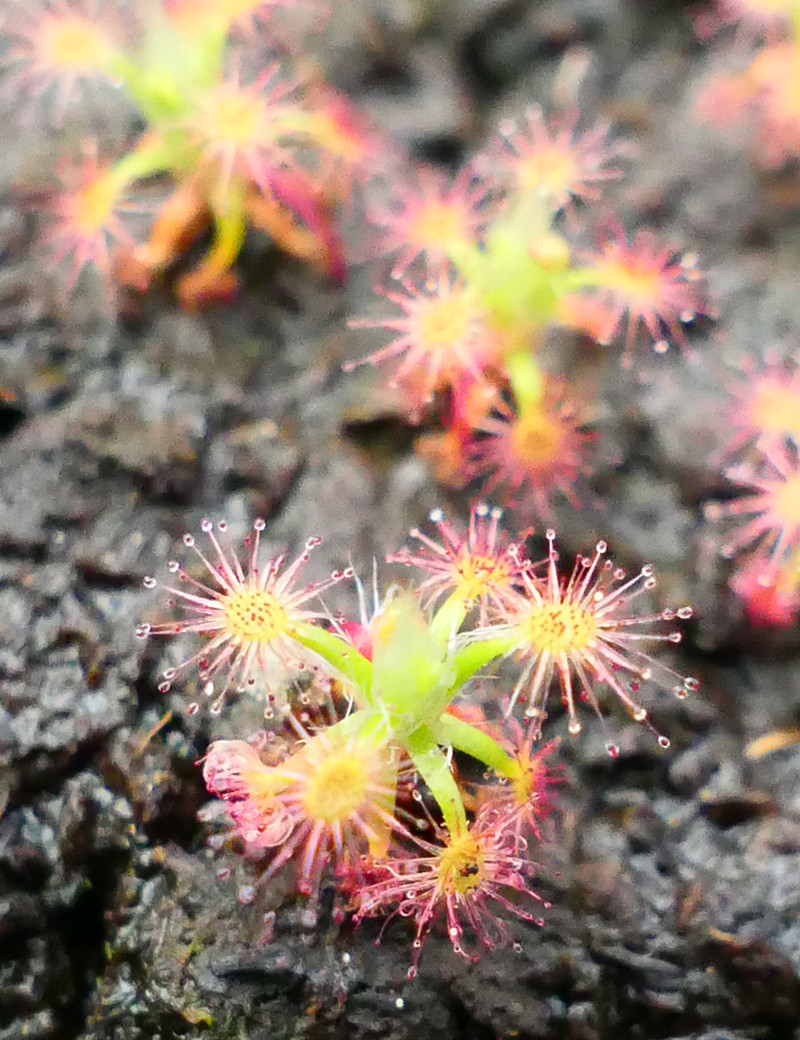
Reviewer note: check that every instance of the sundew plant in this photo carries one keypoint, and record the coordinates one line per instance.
(356, 780)
(755, 95)
(237, 132)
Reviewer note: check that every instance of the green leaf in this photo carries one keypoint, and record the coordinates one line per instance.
(463, 736)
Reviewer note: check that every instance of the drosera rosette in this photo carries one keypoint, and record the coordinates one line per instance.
(760, 91)
(520, 278)
(475, 878)
(443, 338)
(764, 409)
(61, 51)
(523, 800)
(250, 614)
(535, 451)
(480, 566)
(264, 150)
(327, 804)
(640, 283)
(552, 158)
(426, 214)
(86, 218)
(582, 632)
(763, 532)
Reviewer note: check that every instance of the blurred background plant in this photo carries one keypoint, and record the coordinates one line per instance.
(241, 132)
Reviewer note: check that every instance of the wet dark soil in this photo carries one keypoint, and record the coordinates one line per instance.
(673, 874)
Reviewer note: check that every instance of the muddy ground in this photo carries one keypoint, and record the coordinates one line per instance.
(673, 874)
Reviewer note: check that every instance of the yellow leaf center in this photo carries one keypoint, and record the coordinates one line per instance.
(462, 865)
(559, 628)
(787, 502)
(443, 323)
(256, 616)
(636, 282)
(776, 409)
(537, 438)
(236, 119)
(550, 171)
(437, 224)
(93, 205)
(73, 45)
(476, 574)
(337, 788)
